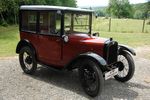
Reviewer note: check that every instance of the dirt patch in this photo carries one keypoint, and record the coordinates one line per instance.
(7, 58)
(143, 51)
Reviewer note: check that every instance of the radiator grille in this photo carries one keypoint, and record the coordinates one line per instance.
(110, 52)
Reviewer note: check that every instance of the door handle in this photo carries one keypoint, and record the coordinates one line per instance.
(58, 40)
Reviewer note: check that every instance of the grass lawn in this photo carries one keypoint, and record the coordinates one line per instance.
(9, 38)
(120, 25)
(131, 39)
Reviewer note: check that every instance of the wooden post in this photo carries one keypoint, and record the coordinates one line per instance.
(72, 22)
(109, 24)
(143, 25)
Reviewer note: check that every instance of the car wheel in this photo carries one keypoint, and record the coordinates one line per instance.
(27, 60)
(126, 67)
(91, 77)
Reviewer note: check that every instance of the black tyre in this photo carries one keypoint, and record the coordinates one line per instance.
(91, 77)
(126, 67)
(27, 60)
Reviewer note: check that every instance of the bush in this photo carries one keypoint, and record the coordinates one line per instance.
(3, 23)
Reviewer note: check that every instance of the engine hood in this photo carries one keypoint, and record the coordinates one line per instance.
(86, 38)
(83, 43)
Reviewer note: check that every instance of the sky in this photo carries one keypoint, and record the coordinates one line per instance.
(93, 3)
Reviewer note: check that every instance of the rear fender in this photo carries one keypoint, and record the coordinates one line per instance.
(23, 43)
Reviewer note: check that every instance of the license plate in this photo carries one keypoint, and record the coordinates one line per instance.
(111, 73)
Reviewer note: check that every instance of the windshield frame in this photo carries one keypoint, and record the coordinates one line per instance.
(89, 14)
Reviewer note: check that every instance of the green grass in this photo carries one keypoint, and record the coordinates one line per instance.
(120, 25)
(131, 39)
(9, 38)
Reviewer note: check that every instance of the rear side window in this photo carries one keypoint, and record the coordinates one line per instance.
(29, 21)
(50, 23)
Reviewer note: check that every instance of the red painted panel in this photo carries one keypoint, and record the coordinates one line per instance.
(51, 50)
(81, 43)
(31, 37)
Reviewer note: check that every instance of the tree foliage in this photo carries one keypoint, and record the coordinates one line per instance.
(100, 12)
(9, 8)
(142, 10)
(138, 14)
(119, 8)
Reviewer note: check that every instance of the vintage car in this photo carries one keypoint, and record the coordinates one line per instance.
(62, 38)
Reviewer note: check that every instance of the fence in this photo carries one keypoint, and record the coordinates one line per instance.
(121, 25)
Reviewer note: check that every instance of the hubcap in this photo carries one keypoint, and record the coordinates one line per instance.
(90, 79)
(27, 59)
(123, 66)
(120, 65)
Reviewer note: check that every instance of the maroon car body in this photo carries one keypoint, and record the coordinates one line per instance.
(52, 50)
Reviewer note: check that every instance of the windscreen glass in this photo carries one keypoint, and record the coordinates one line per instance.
(77, 23)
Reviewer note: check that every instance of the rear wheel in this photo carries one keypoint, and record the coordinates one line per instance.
(27, 60)
(91, 77)
(126, 67)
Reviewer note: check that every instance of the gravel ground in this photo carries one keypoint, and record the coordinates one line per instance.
(47, 84)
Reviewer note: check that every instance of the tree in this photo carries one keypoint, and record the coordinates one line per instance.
(147, 10)
(2, 9)
(138, 14)
(119, 8)
(69, 3)
(100, 12)
(9, 9)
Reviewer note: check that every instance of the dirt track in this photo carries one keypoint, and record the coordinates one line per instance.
(54, 85)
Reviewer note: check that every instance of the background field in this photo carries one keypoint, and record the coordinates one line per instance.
(120, 25)
(125, 31)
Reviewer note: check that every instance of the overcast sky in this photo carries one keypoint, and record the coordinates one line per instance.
(91, 3)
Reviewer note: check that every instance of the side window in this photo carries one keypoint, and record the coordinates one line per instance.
(29, 21)
(50, 23)
(67, 26)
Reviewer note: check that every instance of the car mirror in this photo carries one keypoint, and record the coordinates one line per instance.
(65, 38)
(59, 12)
(96, 34)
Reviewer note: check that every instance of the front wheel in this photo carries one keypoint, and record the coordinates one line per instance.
(126, 67)
(91, 77)
(27, 60)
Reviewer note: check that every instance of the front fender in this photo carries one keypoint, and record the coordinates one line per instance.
(94, 56)
(126, 48)
(89, 55)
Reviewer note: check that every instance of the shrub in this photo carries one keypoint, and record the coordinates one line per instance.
(3, 23)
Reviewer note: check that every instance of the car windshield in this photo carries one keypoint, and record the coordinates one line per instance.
(77, 23)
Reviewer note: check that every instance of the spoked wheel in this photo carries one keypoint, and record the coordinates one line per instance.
(126, 67)
(91, 78)
(27, 60)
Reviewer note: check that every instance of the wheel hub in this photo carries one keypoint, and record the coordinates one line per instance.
(28, 60)
(120, 66)
(89, 75)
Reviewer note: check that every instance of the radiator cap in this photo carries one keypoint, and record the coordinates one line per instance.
(111, 39)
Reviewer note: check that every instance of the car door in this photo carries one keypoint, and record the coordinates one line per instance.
(49, 48)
